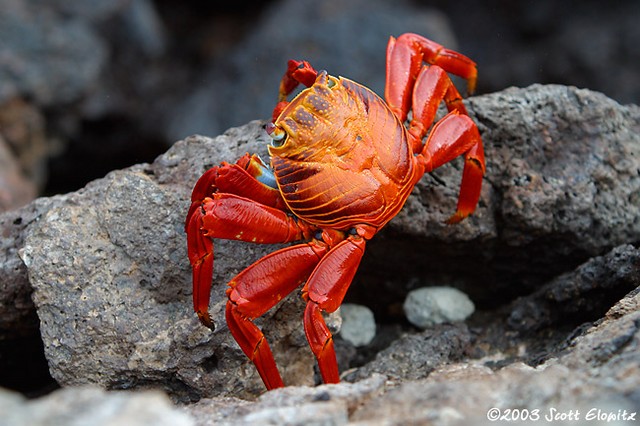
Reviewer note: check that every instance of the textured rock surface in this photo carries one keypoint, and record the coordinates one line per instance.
(79, 406)
(562, 185)
(428, 306)
(598, 375)
(111, 283)
(599, 371)
(586, 292)
(325, 404)
(358, 324)
(17, 312)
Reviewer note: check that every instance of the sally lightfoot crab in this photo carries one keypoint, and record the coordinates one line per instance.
(343, 162)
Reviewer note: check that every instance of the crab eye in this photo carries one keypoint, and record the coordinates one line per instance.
(331, 83)
(279, 139)
(278, 136)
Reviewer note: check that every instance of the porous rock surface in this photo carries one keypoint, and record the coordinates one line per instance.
(111, 282)
(90, 405)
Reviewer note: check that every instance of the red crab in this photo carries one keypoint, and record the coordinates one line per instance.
(343, 163)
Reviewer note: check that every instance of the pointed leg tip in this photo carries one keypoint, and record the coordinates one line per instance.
(457, 217)
(206, 320)
(272, 386)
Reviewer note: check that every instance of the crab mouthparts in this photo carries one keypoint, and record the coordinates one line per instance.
(270, 127)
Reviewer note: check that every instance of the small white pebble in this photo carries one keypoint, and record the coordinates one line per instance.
(358, 324)
(427, 306)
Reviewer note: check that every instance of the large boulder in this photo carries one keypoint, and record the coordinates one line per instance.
(112, 288)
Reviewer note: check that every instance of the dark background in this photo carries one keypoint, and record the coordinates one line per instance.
(115, 83)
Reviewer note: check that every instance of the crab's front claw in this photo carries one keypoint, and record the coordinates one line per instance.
(248, 177)
(298, 72)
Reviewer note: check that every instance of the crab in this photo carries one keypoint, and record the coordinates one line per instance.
(343, 163)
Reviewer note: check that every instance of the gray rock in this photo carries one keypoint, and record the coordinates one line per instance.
(562, 185)
(358, 324)
(587, 291)
(17, 312)
(293, 405)
(111, 282)
(596, 375)
(79, 406)
(598, 372)
(415, 355)
(428, 306)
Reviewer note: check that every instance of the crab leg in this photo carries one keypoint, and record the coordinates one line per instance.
(432, 86)
(405, 56)
(249, 177)
(230, 216)
(454, 135)
(256, 290)
(246, 209)
(325, 289)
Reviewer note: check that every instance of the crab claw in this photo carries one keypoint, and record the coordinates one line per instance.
(298, 72)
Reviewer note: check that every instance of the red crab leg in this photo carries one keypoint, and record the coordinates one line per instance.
(405, 56)
(298, 72)
(454, 135)
(244, 179)
(230, 216)
(325, 289)
(432, 86)
(256, 290)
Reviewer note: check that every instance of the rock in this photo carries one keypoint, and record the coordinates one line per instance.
(24, 365)
(111, 284)
(77, 406)
(17, 312)
(428, 306)
(111, 281)
(587, 292)
(22, 126)
(83, 70)
(415, 355)
(358, 324)
(49, 59)
(293, 405)
(561, 186)
(544, 42)
(15, 189)
(598, 373)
